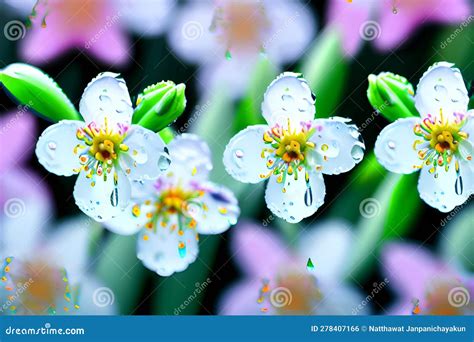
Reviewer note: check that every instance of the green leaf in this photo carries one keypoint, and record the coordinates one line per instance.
(457, 238)
(159, 105)
(325, 69)
(249, 108)
(122, 272)
(391, 95)
(36, 90)
(389, 213)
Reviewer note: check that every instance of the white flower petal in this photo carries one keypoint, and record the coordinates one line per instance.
(147, 157)
(394, 146)
(131, 220)
(242, 155)
(55, 148)
(288, 97)
(106, 96)
(146, 17)
(219, 210)
(159, 251)
(292, 29)
(105, 199)
(340, 145)
(190, 157)
(328, 245)
(441, 87)
(295, 200)
(447, 190)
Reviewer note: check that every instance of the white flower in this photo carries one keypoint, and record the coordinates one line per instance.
(227, 37)
(439, 143)
(106, 150)
(293, 150)
(171, 211)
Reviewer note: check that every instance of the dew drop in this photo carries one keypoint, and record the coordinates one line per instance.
(309, 265)
(357, 153)
(394, 10)
(308, 197)
(228, 55)
(238, 156)
(164, 162)
(391, 145)
(182, 249)
(114, 197)
(458, 186)
(239, 153)
(52, 145)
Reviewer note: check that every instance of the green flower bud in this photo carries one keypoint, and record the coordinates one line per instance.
(392, 96)
(159, 105)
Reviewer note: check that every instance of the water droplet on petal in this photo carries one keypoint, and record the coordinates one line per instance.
(458, 185)
(164, 162)
(228, 55)
(182, 249)
(52, 145)
(114, 197)
(357, 153)
(391, 144)
(238, 155)
(308, 197)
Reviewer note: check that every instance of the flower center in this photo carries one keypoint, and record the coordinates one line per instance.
(103, 147)
(447, 297)
(240, 25)
(440, 141)
(287, 152)
(37, 288)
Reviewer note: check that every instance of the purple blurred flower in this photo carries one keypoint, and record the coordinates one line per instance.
(418, 276)
(390, 22)
(93, 26)
(292, 288)
(227, 37)
(26, 214)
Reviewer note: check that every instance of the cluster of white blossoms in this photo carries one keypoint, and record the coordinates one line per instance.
(132, 181)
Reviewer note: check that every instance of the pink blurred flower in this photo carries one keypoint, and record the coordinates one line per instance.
(93, 26)
(419, 277)
(24, 221)
(389, 23)
(226, 38)
(280, 274)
